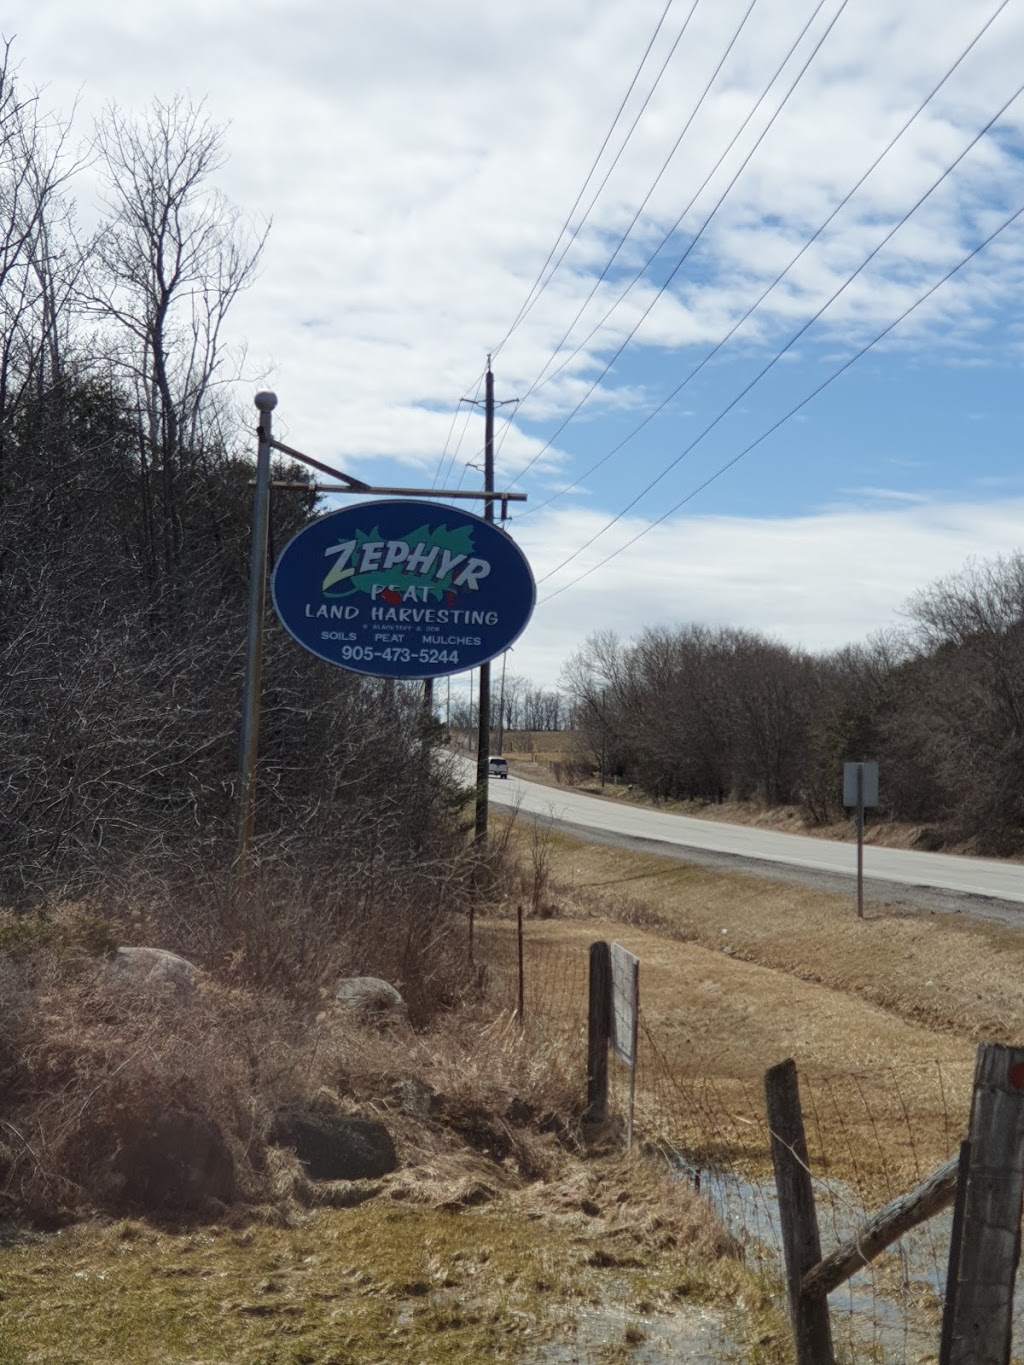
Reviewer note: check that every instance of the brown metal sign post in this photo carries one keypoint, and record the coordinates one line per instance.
(266, 403)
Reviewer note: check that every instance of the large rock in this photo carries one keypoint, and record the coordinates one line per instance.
(177, 1162)
(332, 1147)
(370, 996)
(153, 970)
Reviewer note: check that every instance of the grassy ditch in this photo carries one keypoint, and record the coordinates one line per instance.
(605, 1256)
(509, 1230)
(882, 1014)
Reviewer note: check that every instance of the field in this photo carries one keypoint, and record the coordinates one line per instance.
(882, 1016)
(544, 1256)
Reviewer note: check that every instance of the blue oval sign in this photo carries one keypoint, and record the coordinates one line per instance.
(403, 589)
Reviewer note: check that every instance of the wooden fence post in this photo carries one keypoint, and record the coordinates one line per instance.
(801, 1243)
(598, 1031)
(992, 1198)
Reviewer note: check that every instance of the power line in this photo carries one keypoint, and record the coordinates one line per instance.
(778, 278)
(665, 165)
(469, 403)
(541, 381)
(798, 334)
(534, 292)
(682, 260)
(447, 443)
(1008, 222)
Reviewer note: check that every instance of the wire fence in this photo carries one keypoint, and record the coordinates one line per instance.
(872, 1134)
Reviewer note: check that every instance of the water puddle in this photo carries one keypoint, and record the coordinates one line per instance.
(891, 1311)
(691, 1336)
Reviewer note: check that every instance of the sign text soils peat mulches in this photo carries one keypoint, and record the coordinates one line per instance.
(403, 589)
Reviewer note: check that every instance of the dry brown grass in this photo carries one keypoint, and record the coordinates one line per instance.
(85, 1064)
(510, 1277)
(881, 1014)
(493, 1234)
(946, 973)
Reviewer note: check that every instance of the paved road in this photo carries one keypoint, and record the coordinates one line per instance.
(887, 871)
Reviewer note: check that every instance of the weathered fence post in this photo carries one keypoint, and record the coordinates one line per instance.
(801, 1243)
(598, 1031)
(982, 1307)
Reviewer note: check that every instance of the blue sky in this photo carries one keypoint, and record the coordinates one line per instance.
(418, 164)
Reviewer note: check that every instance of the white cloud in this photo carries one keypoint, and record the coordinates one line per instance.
(418, 161)
(817, 582)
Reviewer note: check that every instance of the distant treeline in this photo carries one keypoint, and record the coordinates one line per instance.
(716, 714)
(516, 705)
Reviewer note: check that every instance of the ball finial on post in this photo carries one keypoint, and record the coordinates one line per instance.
(266, 401)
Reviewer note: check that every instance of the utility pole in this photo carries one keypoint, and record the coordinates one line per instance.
(483, 741)
(501, 704)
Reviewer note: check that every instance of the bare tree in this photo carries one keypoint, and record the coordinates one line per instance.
(38, 258)
(962, 701)
(168, 263)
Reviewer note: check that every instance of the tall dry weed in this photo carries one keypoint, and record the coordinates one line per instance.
(91, 1065)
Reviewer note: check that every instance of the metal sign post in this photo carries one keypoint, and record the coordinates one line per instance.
(860, 789)
(266, 403)
(625, 1019)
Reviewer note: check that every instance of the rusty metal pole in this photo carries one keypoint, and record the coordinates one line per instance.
(860, 840)
(250, 740)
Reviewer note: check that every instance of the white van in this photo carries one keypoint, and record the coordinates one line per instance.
(497, 767)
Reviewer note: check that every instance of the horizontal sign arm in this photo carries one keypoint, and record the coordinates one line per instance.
(467, 494)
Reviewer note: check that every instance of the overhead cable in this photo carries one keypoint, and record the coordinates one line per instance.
(1007, 222)
(780, 276)
(686, 254)
(535, 291)
(540, 381)
(469, 404)
(800, 332)
(447, 443)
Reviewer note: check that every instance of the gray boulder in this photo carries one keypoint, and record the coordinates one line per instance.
(369, 995)
(153, 970)
(332, 1147)
(177, 1162)
(413, 1096)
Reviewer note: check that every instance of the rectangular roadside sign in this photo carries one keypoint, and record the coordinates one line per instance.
(869, 780)
(625, 1000)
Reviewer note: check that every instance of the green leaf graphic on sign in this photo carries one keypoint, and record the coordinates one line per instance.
(420, 542)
